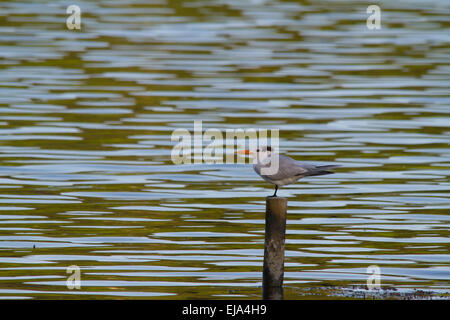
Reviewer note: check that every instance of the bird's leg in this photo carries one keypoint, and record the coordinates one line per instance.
(275, 193)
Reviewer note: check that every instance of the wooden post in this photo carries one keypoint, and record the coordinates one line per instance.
(273, 269)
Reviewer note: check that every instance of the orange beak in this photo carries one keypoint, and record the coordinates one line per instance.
(243, 152)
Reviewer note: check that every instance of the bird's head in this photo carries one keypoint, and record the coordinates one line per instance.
(261, 153)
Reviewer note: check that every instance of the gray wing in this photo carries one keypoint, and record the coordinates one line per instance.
(288, 168)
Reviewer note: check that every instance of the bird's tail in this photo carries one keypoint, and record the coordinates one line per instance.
(321, 170)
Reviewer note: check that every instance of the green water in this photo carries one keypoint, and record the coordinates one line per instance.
(86, 118)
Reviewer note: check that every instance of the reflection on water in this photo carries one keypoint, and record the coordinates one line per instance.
(85, 124)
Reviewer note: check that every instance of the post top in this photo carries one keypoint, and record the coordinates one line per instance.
(270, 198)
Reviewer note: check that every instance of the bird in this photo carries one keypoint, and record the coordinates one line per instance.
(289, 170)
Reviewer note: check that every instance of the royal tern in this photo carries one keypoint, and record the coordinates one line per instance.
(289, 170)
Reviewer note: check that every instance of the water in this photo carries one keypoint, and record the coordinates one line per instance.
(86, 119)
